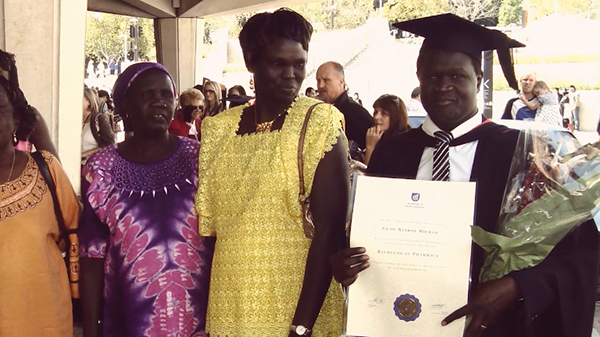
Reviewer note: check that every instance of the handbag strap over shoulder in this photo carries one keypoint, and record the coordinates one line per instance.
(45, 172)
(301, 148)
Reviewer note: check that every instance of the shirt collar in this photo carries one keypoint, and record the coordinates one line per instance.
(343, 98)
(429, 126)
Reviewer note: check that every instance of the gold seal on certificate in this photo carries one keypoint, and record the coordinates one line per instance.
(407, 307)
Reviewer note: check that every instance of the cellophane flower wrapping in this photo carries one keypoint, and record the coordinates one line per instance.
(553, 187)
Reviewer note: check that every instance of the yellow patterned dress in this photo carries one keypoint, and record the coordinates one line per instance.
(248, 199)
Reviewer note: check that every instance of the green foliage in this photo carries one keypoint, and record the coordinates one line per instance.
(376, 3)
(230, 22)
(401, 10)
(108, 34)
(347, 14)
(317, 13)
(539, 8)
(147, 41)
(510, 12)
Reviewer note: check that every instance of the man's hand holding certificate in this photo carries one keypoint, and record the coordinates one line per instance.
(417, 235)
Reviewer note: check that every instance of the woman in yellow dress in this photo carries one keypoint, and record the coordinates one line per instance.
(268, 278)
(35, 298)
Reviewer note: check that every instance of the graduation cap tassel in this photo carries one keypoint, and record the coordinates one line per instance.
(506, 63)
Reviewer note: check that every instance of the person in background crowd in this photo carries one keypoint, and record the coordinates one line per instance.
(188, 119)
(35, 298)
(40, 136)
(270, 274)
(107, 108)
(236, 96)
(414, 105)
(515, 107)
(558, 94)
(112, 66)
(546, 105)
(310, 92)
(119, 64)
(555, 298)
(236, 90)
(212, 96)
(104, 102)
(357, 99)
(574, 107)
(332, 89)
(390, 118)
(101, 69)
(90, 69)
(96, 130)
(144, 269)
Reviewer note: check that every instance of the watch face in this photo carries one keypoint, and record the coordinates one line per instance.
(300, 330)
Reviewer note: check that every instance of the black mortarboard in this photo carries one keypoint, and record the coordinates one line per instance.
(453, 33)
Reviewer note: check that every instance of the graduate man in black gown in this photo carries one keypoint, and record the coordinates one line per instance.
(555, 298)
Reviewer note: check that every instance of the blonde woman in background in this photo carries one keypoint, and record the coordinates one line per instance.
(212, 94)
(96, 131)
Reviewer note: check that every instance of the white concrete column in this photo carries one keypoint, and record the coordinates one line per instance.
(177, 41)
(48, 39)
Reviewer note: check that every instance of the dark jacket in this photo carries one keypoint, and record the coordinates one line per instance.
(102, 129)
(358, 120)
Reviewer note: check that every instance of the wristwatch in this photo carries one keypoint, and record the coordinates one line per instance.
(300, 330)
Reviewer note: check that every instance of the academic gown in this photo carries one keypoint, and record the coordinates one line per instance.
(558, 294)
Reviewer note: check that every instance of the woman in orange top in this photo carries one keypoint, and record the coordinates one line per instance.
(34, 287)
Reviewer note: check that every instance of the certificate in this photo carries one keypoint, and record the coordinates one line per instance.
(418, 237)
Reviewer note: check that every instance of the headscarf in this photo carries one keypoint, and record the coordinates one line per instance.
(127, 77)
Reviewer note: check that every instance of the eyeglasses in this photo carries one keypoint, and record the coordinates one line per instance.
(196, 107)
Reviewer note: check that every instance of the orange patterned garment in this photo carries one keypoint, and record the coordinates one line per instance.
(35, 298)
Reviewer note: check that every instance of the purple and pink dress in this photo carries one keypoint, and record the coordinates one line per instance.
(141, 219)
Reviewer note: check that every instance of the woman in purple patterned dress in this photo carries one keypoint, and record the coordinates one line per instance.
(144, 269)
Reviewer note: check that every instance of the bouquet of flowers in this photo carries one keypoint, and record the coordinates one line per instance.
(553, 187)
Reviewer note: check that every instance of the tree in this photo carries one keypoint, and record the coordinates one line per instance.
(147, 41)
(347, 14)
(510, 12)
(401, 10)
(539, 8)
(483, 11)
(107, 36)
(351, 14)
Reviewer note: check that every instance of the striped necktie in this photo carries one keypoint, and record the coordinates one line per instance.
(441, 156)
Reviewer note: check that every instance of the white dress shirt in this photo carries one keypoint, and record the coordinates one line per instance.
(461, 156)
